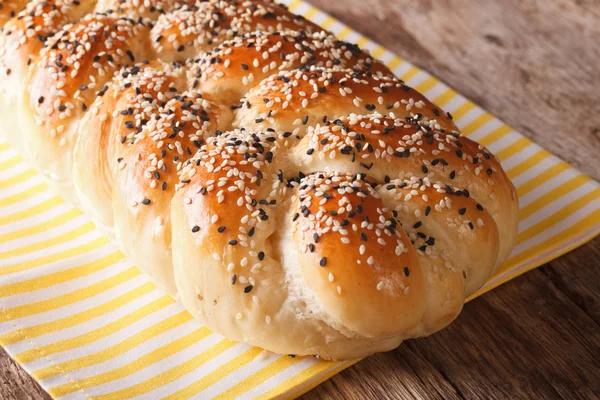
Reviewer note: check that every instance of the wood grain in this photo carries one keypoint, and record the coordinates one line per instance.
(15, 383)
(534, 64)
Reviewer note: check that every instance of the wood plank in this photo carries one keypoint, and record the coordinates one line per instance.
(15, 383)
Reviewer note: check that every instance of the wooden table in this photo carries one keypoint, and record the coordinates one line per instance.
(536, 65)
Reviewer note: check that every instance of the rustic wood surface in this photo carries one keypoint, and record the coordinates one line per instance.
(535, 64)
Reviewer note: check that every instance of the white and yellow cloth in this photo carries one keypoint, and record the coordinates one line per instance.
(85, 323)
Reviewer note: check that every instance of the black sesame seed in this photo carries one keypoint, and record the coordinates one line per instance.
(146, 201)
(462, 211)
(323, 262)
(195, 229)
(233, 279)
(248, 289)
(221, 229)
(233, 242)
(406, 271)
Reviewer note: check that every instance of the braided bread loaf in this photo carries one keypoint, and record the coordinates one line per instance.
(284, 184)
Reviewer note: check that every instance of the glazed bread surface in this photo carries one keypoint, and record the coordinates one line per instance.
(283, 184)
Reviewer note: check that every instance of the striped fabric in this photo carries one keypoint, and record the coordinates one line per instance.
(85, 323)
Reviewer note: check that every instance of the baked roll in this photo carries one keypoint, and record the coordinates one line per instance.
(285, 185)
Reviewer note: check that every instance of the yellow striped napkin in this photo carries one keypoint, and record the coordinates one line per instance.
(85, 323)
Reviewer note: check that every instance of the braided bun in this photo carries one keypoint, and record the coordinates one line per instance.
(282, 183)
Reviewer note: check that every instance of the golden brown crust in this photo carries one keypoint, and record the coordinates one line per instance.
(72, 70)
(24, 36)
(233, 172)
(151, 9)
(460, 236)
(356, 258)
(191, 30)
(78, 62)
(133, 98)
(236, 66)
(9, 9)
(294, 100)
(390, 148)
(147, 175)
